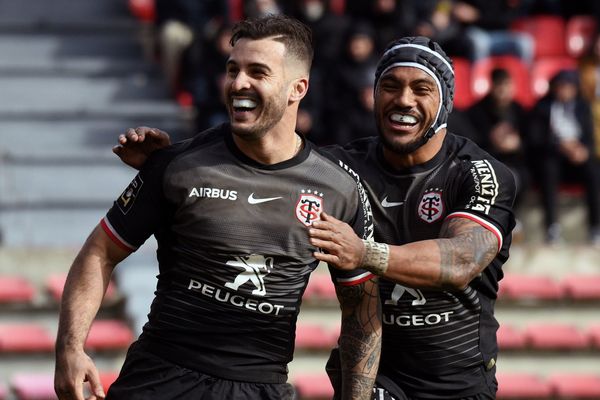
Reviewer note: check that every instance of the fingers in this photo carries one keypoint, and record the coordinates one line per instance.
(94, 380)
(328, 258)
(327, 245)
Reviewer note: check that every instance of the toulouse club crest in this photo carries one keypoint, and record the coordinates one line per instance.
(431, 207)
(309, 207)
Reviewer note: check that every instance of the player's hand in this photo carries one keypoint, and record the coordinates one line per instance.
(136, 144)
(344, 249)
(73, 368)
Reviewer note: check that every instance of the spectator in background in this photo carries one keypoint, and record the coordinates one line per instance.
(353, 82)
(260, 8)
(179, 24)
(487, 24)
(207, 81)
(589, 72)
(562, 133)
(499, 123)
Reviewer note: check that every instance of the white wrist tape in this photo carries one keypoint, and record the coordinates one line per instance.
(376, 257)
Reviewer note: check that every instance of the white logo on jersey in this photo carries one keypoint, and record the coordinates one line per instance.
(399, 291)
(254, 200)
(387, 203)
(486, 186)
(309, 207)
(431, 207)
(255, 267)
(213, 193)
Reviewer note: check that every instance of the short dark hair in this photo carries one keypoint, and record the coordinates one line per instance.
(500, 75)
(296, 36)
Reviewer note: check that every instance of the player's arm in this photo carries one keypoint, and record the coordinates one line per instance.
(360, 338)
(86, 284)
(463, 250)
(136, 145)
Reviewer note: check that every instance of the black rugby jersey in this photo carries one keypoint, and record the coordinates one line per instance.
(233, 250)
(437, 344)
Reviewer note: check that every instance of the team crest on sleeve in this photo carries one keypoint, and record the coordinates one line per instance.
(127, 198)
(309, 206)
(431, 207)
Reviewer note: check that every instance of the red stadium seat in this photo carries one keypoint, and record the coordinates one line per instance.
(593, 334)
(313, 386)
(547, 31)
(3, 392)
(314, 337)
(529, 287)
(509, 338)
(29, 386)
(25, 338)
(518, 70)
(109, 335)
(555, 336)
(14, 289)
(320, 287)
(107, 378)
(144, 10)
(575, 386)
(519, 386)
(544, 69)
(582, 287)
(580, 33)
(463, 97)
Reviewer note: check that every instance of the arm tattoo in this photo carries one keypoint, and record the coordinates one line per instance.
(465, 253)
(360, 338)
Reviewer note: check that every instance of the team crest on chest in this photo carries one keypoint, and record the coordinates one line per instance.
(431, 207)
(309, 206)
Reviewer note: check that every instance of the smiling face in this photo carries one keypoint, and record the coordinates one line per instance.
(407, 101)
(258, 84)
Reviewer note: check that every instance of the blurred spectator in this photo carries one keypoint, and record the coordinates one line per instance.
(589, 70)
(487, 24)
(207, 81)
(561, 127)
(499, 123)
(259, 8)
(390, 19)
(352, 87)
(179, 23)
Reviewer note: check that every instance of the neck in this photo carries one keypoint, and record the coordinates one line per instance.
(417, 157)
(275, 146)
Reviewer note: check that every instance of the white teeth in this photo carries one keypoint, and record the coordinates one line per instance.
(403, 118)
(244, 103)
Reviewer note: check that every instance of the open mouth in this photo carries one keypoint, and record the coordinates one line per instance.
(242, 105)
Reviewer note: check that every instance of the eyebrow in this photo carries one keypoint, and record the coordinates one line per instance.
(251, 65)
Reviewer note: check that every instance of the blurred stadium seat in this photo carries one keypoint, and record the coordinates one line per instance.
(314, 337)
(463, 97)
(510, 338)
(547, 31)
(25, 338)
(33, 386)
(555, 336)
(109, 335)
(575, 385)
(529, 287)
(522, 386)
(593, 333)
(582, 287)
(320, 287)
(55, 285)
(580, 33)
(144, 10)
(313, 386)
(15, 289)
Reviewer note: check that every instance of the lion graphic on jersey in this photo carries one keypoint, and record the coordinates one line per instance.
(255, 267)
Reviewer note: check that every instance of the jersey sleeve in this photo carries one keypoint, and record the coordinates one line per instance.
(363, 225)
(486, 196)
(139, 211)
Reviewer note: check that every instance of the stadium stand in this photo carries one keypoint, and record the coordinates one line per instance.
(15, 289)
(519, 71)
(547, 31)
(580, 33)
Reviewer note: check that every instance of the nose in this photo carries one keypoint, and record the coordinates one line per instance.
(240, 82)
(405, 97)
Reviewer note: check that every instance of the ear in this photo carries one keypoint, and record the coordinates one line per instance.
(298, 89)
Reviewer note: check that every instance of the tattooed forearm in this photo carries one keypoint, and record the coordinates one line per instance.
(360, 339)
(468, 249)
